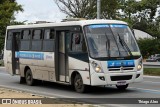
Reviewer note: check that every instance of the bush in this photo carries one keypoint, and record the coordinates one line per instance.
(149, 46)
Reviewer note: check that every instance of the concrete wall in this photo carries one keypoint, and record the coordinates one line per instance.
(141, 34)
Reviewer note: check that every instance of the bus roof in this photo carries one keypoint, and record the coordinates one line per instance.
(69, 23)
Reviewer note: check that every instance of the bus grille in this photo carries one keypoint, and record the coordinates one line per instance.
(118, 69)
(117, 78)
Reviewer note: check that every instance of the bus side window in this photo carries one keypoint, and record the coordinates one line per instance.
(25, 40)
(17, 41)
(49, 42)
(49, 34)
(26, 35)
(9, 38)
(78, 43)
(36, 40)
(37, 34)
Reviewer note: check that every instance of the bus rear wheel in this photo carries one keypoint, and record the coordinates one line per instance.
(122, 87)
(78, 84)
(29, 78)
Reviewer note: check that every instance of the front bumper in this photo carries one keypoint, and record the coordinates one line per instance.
(114, 78)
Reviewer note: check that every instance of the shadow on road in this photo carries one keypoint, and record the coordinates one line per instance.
(94, 90)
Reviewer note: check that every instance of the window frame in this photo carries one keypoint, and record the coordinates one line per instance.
(82, 39)
(8, 39)
(13, 31)
(41, 39)
(53, 40)
(29, 40)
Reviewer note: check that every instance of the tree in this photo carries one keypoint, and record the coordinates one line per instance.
(110, 9)
(145, 9)
(142, 15)
(87, 8)
(129, 8)
(150, 8)
(77, 8)
(7, 12)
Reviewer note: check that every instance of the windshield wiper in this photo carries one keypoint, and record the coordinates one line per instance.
(123, 43)
(107, 45)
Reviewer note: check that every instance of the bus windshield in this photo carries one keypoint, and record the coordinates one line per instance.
(111, 40)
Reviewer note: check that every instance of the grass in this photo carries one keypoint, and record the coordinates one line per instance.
(152, 71)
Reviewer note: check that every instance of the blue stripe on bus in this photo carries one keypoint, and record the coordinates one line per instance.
(119, 63)
(120, 26)
(98, 26)
(104, 25)
(30, 55)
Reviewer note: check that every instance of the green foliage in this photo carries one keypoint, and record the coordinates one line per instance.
(142, 15)
(109, 9)
(16, 23)
(149, 47)
(128, 8)
(150, 7)
(7, 11)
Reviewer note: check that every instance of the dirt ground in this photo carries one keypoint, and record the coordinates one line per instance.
(9, 93)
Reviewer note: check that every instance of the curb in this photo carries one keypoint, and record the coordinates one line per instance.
(148, 76)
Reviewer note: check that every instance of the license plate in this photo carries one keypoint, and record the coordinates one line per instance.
(121, 83)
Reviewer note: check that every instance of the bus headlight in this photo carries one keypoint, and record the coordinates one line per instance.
(96, 67)
(139, 67)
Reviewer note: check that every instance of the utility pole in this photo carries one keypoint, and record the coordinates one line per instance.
(98, 9)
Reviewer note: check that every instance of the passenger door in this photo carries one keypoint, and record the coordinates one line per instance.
(61, 56)
(13, 42)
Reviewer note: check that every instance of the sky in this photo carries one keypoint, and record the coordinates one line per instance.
(39, 10)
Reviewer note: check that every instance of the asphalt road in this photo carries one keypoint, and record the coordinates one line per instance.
(149, 88)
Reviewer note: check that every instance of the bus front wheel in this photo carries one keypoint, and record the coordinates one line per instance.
(122, 87)
(29, 78)
(78, 84)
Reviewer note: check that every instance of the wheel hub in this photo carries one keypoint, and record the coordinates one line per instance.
(78, 83)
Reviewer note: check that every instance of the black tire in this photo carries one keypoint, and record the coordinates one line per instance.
(78, 84)
(29, 78)
(122, 87)
(22, 80)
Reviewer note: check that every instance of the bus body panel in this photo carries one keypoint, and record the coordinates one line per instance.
(44, 69)
(7, 61)
(81, 67)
